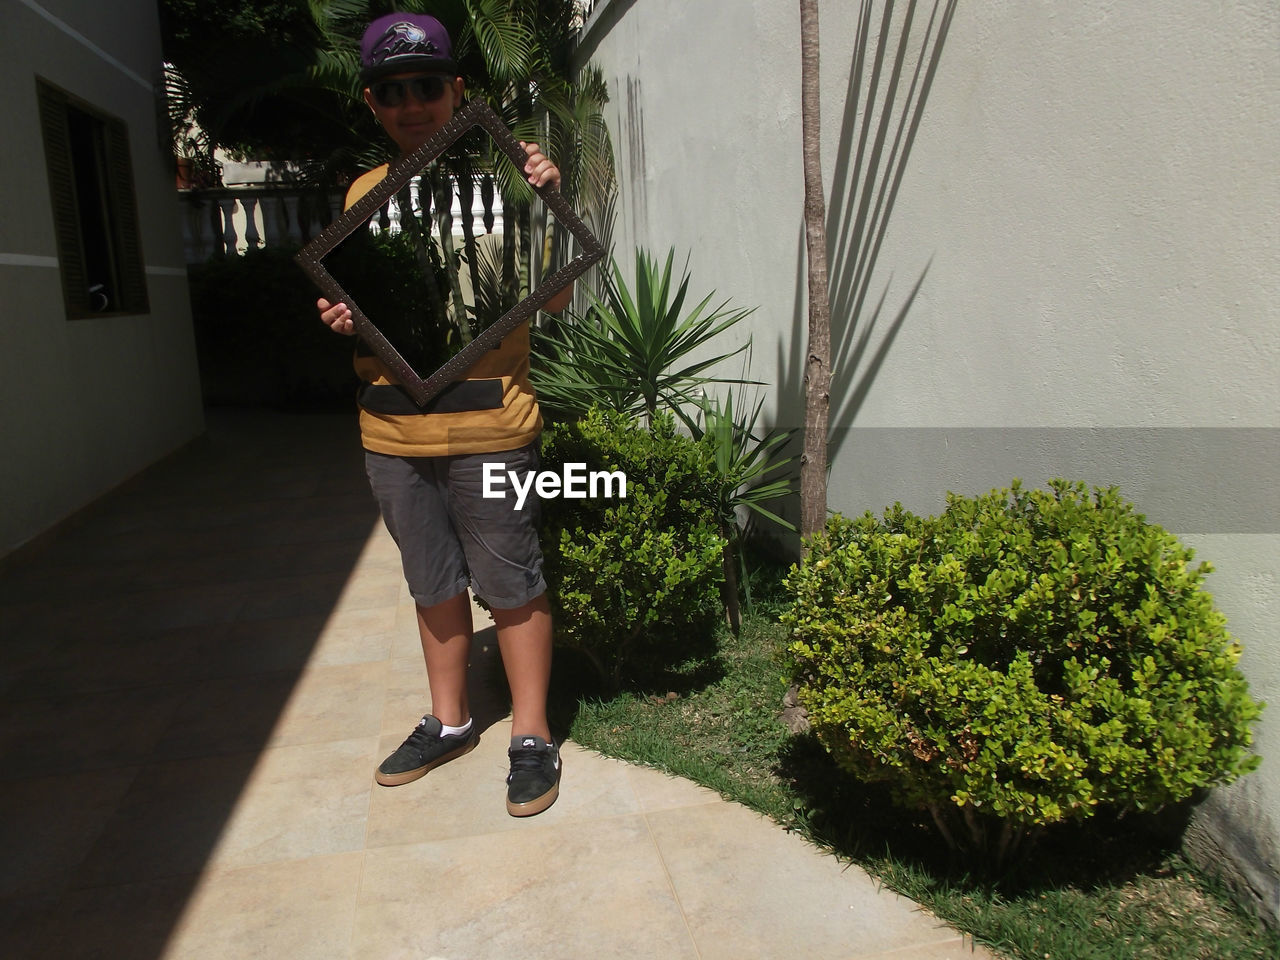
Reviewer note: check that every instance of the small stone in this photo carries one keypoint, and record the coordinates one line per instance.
(794, 717)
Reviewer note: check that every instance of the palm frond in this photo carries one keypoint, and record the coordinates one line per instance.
(634, 343)
(501, 31)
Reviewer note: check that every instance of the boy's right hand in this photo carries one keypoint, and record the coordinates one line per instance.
(336, 316)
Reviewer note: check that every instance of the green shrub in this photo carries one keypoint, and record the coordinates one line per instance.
(1018, 661)
(634, 583)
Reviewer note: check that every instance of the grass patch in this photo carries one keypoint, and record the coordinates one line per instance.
(1098, 891)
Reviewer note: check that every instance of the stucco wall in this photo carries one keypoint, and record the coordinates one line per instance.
(85, 404)
(1089, 210)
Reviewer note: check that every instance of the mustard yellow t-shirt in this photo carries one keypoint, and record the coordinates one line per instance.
(493, 409)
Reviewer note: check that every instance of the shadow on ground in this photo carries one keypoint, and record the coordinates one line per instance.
(150, 646)
(860, 821)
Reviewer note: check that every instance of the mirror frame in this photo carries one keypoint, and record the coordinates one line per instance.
(475, 113)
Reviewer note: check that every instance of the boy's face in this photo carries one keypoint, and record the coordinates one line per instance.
(413, 106)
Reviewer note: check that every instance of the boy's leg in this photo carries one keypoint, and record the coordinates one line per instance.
(524, 637)
(411, 497)
(500, 539)
(445, 630)
(500, 542)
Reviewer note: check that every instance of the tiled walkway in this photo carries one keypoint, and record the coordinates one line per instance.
(199, 675)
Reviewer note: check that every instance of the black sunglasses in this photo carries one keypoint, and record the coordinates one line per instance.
(391, 93)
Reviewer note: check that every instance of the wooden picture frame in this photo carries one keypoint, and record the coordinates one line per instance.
(476, 113)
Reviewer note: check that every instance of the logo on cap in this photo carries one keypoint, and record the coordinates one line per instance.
(402, 39)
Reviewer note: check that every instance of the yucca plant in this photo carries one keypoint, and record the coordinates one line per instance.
(635, 349)
(746, 478)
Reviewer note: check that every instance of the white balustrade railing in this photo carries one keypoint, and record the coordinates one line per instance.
(236, 219)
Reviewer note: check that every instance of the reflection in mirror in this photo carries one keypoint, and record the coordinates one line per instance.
(428, 268)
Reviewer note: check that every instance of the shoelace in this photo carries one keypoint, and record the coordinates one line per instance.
(419, 738)
(526, 760)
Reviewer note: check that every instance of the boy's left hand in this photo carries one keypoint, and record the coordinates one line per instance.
(539, 170)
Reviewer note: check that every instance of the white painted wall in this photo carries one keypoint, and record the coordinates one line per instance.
(1093, 191)
(85, 404)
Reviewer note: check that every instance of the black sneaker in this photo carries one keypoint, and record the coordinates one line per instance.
(534, 781)
(426, 748)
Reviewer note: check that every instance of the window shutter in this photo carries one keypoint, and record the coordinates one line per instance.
(66, 221)
(133, 278)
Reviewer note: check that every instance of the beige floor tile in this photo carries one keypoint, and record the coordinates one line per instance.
(407, 695)
(467, 796)
(380, 568)
(349, 618)
(355, 636)
(351, 528)
(69, 733)
(481, 619)
(132, 922)
(300, 801)
(715, 853)
(487, 679)
(283, 644)
(592, 890)
(656, 790)
(233, 811)
(293, 596)
(90, 664)
(360, 593)
(238, 714)
(295, 910)
(380, 554)
(156, 611)
(337, 702)
(300, 910)
(168, 822)
(227, 715)
(49, 825)
(228, 701)
(29, 926)
(405, 629)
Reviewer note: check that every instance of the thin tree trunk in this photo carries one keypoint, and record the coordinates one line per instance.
(817, 368)
(729, 563)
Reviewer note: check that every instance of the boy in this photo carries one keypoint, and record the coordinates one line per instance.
(426, 466)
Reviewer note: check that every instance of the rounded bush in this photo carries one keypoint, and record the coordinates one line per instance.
(635, 582)
(1026, 656)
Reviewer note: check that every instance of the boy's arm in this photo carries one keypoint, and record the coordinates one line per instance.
(541, 171)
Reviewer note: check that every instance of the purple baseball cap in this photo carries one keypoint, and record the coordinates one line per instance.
(405, 43)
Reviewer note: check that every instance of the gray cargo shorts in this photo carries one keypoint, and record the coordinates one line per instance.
(450, 536)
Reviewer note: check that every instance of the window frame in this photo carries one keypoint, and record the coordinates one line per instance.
(121, 233)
